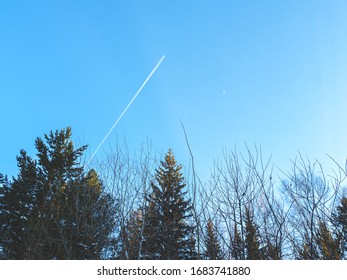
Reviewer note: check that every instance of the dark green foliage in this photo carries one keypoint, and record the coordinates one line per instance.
(152, 230)
(52, 210)
(130, 237)
(3, 193)
(271, 251)
(328, 239)
(340, 222)
(252, 237)
(213, 249)
(329, 247)
(307, 252)
(167, 233)
(237, 245)
(18, 207)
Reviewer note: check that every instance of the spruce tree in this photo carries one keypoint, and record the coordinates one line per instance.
(151, 241)
(3, 193)
(328, 246)
(307, 250)
(167, 233)
(52, 209)
(271, 251)
(212, 246)
(252, 244)
(339, 220)
(18, 208)
(237, 245)
(129, 239)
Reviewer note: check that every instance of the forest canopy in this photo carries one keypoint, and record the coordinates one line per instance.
(146, 207)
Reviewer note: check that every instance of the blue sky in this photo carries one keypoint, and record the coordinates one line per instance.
(270, 73)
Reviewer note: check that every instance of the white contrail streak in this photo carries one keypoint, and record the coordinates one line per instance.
(126, 108)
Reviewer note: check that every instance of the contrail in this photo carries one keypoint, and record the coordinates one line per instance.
(126, 108)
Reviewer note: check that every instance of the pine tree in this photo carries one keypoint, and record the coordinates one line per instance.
(52, 210)
(152, 229)
(237, 245)
(212, 246)
(191, 252)
(130, 237)
(167, 233)
(328, 246)
(17, 208)
(271, 251)
(339, 220)
(3, 193)
(85, 219)
(308, 250)
(252, 245)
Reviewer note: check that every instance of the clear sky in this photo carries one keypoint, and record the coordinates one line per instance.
(270, 73)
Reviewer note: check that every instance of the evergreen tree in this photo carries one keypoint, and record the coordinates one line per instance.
(84, 219)
(307, 250)
(252, 245)
(212, 246)
(191, 252)
(339, 220)
(17, 208)
(3, 191)
(305, 253)
(167, 233)
(152, 228)
(237, 245)
(52, 210)
(130, 237)
(328, 246)
(271, 251)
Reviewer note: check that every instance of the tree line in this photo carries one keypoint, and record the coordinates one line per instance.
(141, 207)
